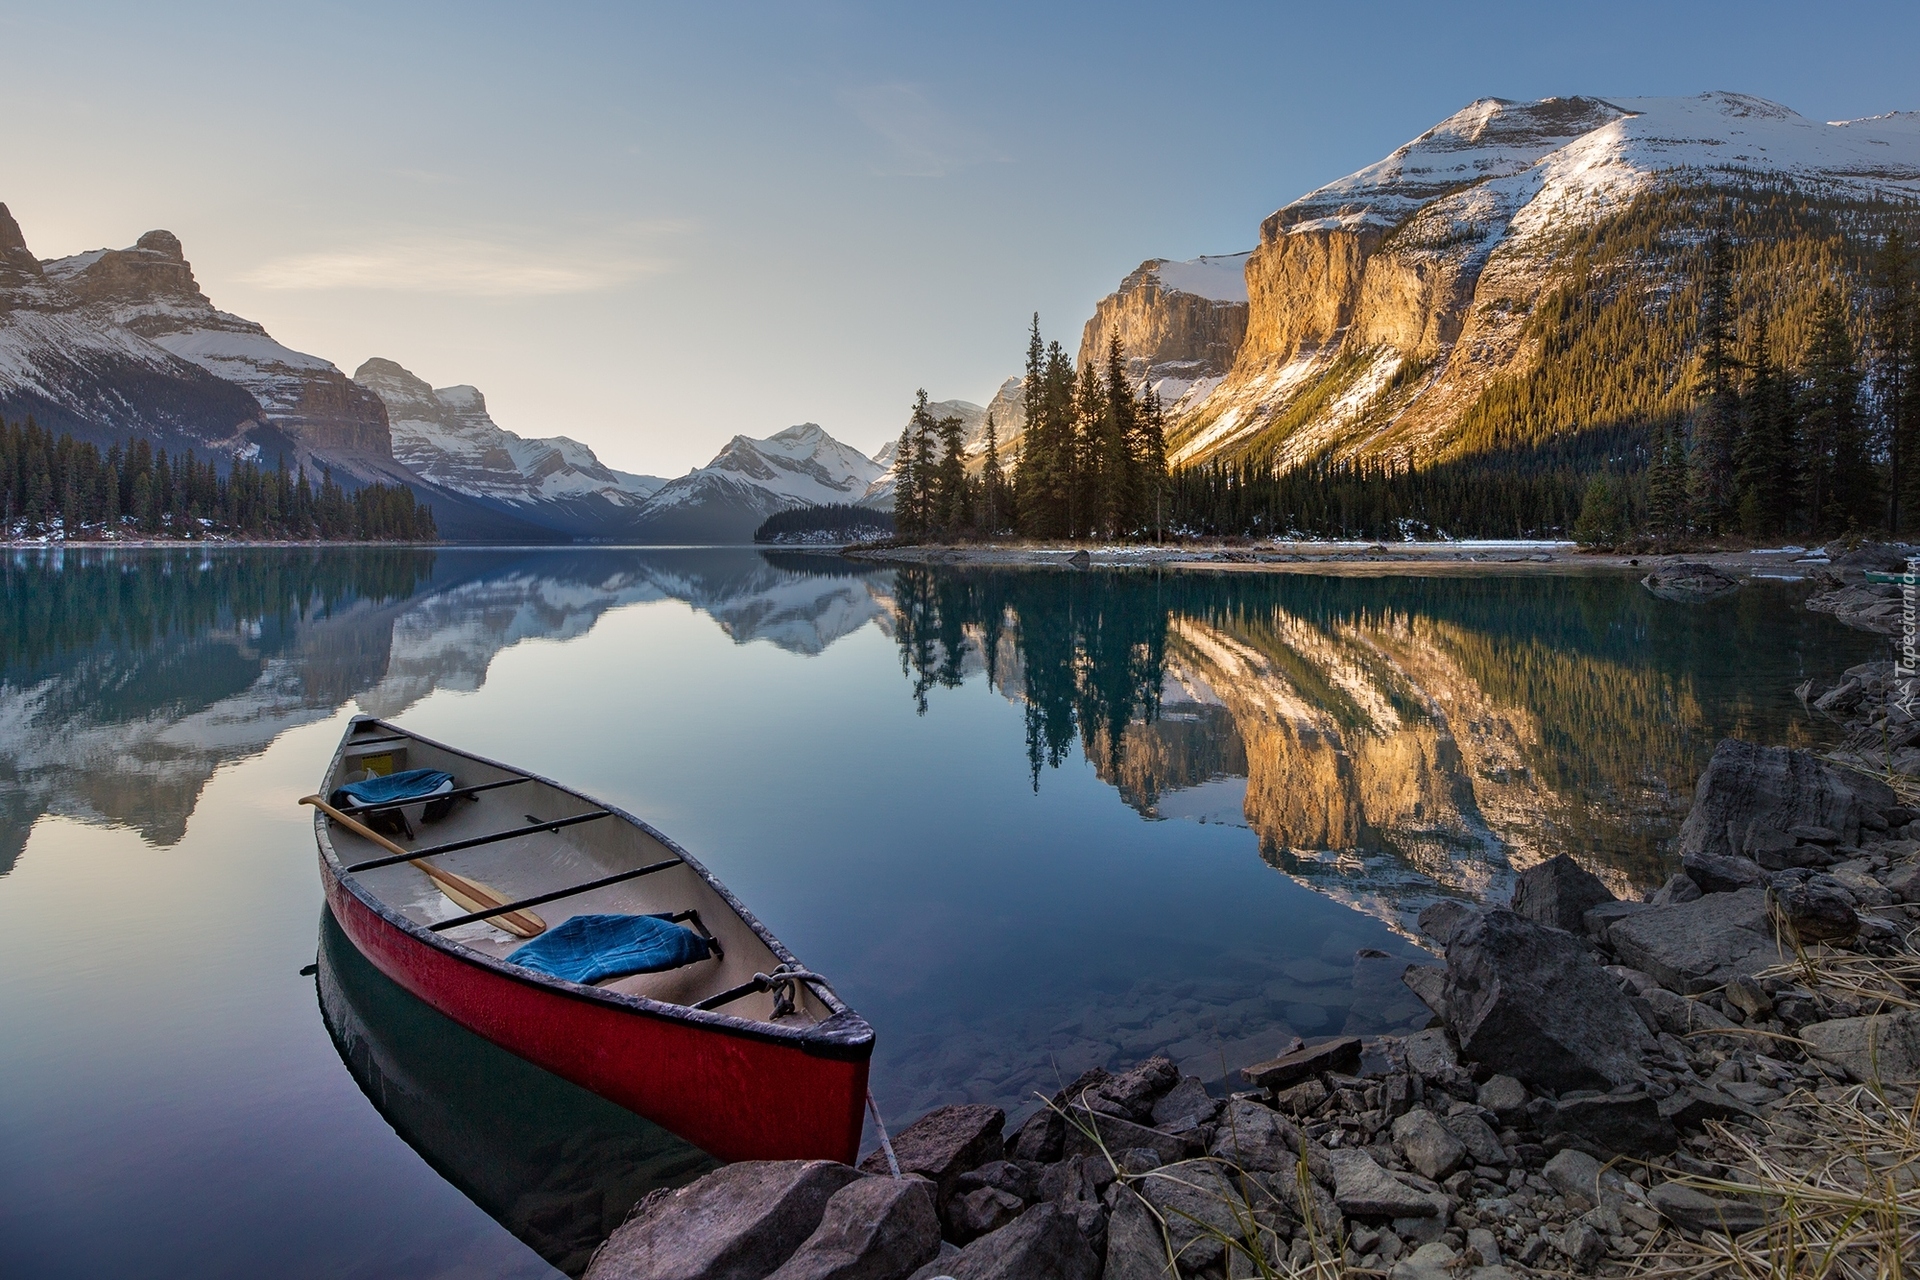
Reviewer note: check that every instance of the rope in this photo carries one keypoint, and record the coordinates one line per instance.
(886, 1143)
(781, 981)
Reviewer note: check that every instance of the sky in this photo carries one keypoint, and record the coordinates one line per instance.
(651, 227)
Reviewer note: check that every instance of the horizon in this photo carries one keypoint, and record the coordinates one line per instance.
(525, 213)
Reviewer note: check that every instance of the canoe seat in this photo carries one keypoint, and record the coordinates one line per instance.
(593, 948)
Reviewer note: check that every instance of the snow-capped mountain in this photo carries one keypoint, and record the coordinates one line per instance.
(74, 368)
(149, 290)
(1428, 262)
(446, 436)
(749, 480)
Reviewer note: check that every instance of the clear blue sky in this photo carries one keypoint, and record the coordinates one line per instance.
(653, 226)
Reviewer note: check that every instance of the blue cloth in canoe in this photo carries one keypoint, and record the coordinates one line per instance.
(411, 784)
(589, 948)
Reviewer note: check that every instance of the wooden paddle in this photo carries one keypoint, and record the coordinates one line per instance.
(470, 894)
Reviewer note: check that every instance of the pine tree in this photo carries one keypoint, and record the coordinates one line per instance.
(1895, 334)
(991, 482)
(1838, 473)
(906, 514)
(1602, 521)
(1667, 485)
(1711, 482)
(950, 488)
(1153, 462)
(924, 479)
(1763, 458)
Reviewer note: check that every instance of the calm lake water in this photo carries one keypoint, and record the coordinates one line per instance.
(1028, 821)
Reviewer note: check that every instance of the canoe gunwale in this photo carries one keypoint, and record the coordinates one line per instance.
(844, 1036)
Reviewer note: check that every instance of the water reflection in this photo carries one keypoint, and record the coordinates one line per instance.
(557, 1166)
(1389, 740)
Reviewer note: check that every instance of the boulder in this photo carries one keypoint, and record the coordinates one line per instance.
(1597, 920)
(1697, 946)
(1531, 1002)
(1720, 873)
(1504, 1096)
(1441, 920)
(945, 1143)
(739, 1222)
(1259, 1139)
(1818, 907)
(1428, 1145)
(873, 1229)
(1558, 893)
(1688, 582)
(1746, 785)
(1677, 1015)
(1186, 1104)
(1619, 1124)
(1365, 1190)
(1135, 1248)
(1041, 1244)
(1881, 1046)
(1341, 1054)
(974, 1213)
(1482, 1143)
(1195, 1201)
(1689, 1107)
(1041, 1134)
(1696, 1211)
(1429, 1053)
(1429, 982)
(1116, 1135)
(1131, 1094)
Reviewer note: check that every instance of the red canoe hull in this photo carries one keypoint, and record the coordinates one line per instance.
(734, 1095)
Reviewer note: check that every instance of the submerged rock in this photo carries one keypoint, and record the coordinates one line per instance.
(1688, 582)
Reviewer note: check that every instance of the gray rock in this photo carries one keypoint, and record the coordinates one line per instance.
(1748, 996)
(1116, 1135)
(1257, 1138)
(1429, 1262)
(1186, 1101)
(1578, 1176)
(1688, 582)
(1531, 1002)
(1483, 1247)
(1341, 1054)
(1695, 947)
(1558, 893)
(1597, 920)
(739, 1222)
(938, 1267)
(1365, 1190)
(1131, 1094)
(1696, 1211)
(1774, 787)
(1429, 982)
(1504, 1096)
(1429, 1053)
(1002, 1175)
(1041, 1244)
(1718, 873)
(945, 1143)
(1904, 884)
(1678, 888)
(1428, 1145)
(1626, 1124)
(1042, 1133)
(1881, 1046)
(1817, 906)
(1690, 1107)
(873, 1229)
(1808, 833)
(1303, 1099)
(1680, 1016)
(1441, 920)
(1481, 1142)
(1582, 1245)
(974, 1213)
(1136, 1250)
(1195, 1201)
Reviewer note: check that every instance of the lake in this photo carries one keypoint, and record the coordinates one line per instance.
(1028, 821)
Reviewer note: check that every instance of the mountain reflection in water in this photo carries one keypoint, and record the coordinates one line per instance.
(557, 1166)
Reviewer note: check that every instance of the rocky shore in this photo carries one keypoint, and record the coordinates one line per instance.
(1606, 1087)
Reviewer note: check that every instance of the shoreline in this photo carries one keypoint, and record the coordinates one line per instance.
(1782, 563)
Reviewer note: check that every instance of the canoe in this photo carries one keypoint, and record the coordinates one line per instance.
(774, 1067)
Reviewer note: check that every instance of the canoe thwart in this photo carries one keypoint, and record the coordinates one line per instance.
(539, 898)
(452, 846)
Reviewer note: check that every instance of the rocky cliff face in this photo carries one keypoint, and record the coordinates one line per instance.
(72, 367)
(1180, 324)
(447, 437)
(1380, 306)
(149, 290)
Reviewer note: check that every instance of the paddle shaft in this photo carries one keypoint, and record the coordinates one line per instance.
(468, 893)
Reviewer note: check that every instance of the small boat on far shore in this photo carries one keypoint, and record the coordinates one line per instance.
(578, 937)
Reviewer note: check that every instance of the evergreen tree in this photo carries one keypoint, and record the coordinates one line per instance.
(1116, 480)
(1602, 521)
(1763, 459)
(924, 477)
(1838, 474)
(1153, 463)
(1711, 482)
(1667, 485)
(1895, 334)
(906, 513)
(992, 500)
(950, 481)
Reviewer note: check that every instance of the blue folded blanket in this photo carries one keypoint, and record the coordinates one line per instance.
(412, 784)
(589, 948)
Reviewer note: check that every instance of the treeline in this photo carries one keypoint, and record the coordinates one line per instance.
(1092, 460)
(1824, 445)
(830, 519)
(67, 488)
